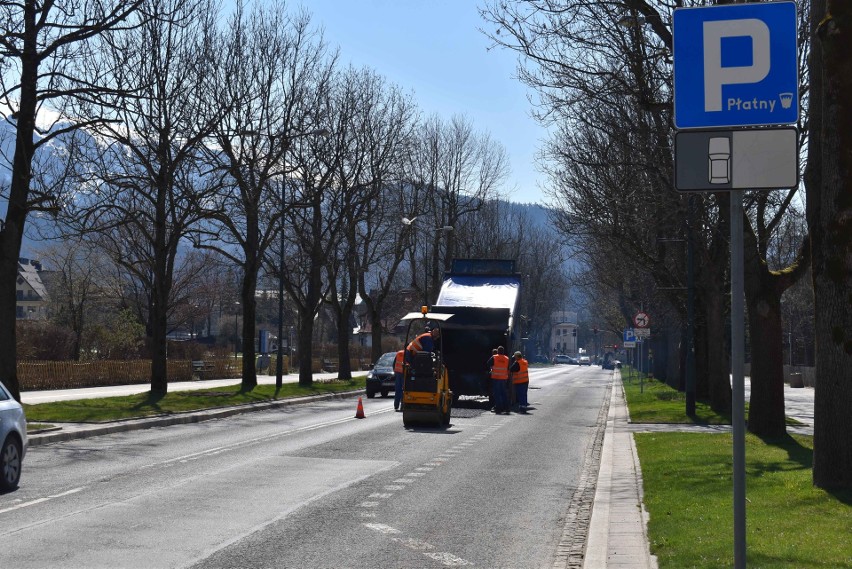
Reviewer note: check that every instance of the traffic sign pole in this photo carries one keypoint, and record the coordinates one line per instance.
(753, 83)
(737, 377)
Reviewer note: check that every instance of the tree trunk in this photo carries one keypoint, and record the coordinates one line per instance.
(344, 332)
(12, 232)
(375, 331)
(829, 210)
(249, 306)
(158, 327)
(766, 416)
(305, 342)
(718, 352)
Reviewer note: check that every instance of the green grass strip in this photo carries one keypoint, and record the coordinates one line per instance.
(652, 401)
(107, 409)
(789, 523)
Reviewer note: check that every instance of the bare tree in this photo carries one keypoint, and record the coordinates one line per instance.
(270, 70)
(379, 126)
(454, 172)
(144, 183)
(39, 47)
(75, 287)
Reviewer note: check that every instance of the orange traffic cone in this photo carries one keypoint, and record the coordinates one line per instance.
(359, 414)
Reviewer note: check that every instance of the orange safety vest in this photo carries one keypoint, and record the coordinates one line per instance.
(500, 368)
(397, 361)
(416, 346)
(522, 375)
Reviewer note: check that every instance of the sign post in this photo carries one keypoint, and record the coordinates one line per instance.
(736, 65)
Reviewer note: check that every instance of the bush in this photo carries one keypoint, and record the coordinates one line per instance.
(42, 340)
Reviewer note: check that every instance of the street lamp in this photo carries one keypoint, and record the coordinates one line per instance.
(279, 360)
(236, 333)
(438, 232)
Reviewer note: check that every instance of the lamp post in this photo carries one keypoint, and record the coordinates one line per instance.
(438, 232)
(279, 360)
(236, 332)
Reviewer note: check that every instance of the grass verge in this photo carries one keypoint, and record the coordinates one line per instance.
(688, 486)
(789, 523)
(146, 405)
(652, 401)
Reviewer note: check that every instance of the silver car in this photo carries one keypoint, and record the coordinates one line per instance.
(13, 434)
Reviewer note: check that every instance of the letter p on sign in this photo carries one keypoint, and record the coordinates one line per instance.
(715, 76)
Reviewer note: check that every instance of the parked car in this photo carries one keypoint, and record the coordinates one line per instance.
(13, 434)
(539, 359)
(563, 359)
(380, 376)
(584, 361)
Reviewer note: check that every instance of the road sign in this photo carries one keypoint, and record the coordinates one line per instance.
(629, 336)
(736, 65)
(641, 320)
(631, 344)
(642, 333)
(754, 159)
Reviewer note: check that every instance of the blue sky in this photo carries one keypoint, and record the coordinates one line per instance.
(434, 49)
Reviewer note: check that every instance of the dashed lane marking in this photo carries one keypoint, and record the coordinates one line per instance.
(42, 500)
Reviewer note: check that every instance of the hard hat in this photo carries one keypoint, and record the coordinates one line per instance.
(517, 354)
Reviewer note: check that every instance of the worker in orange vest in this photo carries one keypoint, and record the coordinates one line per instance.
(398, 363)
(521, 380)
(425, 342)
(498, 365)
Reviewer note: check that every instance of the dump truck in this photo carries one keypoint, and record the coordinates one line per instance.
(482, 297)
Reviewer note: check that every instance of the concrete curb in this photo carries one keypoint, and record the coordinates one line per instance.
(71, 431)
(618, 534)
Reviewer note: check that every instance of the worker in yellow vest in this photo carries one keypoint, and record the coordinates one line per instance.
(520, 369)
(498, 365)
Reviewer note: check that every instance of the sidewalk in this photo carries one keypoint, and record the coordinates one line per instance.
(618, 527)
(70, 431)
(34, 397)
(618, 536)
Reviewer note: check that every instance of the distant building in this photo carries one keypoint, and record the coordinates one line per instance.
(31, 294)
(563, 332)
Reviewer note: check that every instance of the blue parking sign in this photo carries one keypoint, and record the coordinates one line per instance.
(736, 65)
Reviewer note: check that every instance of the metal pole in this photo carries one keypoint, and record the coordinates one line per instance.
(690, 311)
(737, 377)
(236, 332)
(279, 363)
(426, 282)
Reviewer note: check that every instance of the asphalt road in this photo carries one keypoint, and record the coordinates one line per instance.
(311, 486)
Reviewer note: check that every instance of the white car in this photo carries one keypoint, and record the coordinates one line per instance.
(585, 361)
(13, 435)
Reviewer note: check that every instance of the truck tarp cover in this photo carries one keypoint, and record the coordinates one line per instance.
(478, 290)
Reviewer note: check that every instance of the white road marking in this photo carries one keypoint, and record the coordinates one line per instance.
(447, 559)
(382, 528)
(42, 500)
